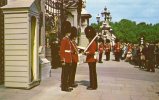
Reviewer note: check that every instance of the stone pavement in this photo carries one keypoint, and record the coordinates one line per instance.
(116, 81)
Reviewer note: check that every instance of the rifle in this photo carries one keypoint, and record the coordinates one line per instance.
(90, 43)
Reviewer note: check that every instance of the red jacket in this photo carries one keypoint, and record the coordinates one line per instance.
(74, 52)
(101, 48)
(129, 48)
(65, 50)
(107, 47)
(91, 52)
(117, 47)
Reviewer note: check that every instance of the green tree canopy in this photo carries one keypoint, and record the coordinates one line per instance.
(130, 31)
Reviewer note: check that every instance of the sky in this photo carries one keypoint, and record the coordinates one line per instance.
(135, 10)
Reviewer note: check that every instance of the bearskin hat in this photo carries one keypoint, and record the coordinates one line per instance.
(73, 32)
(116, 40)
(101, 40)
(66, 27)
(107, 41)
(90, 32)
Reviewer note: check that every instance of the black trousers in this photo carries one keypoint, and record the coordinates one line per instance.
(117, 56)
(93, 75)
(107, 55)
(65, 76)
(100, 57)
(157, 60)
(72, 73)
(151, 65)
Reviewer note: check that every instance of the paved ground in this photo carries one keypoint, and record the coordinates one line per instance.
(116, 81)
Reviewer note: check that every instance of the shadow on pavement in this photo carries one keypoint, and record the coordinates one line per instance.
(83, 82)
(157, 93)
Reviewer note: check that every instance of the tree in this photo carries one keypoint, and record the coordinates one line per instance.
(128, 31)
(97, 26)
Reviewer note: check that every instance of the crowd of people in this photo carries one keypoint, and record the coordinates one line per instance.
(146, 55)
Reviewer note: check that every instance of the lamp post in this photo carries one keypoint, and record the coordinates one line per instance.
(107, 17)
(106, 14)
(106, 26)
(110, 17)
(98, 20)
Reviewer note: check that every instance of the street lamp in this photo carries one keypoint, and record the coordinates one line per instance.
(110, 17)
(105, 14)
(98, 20)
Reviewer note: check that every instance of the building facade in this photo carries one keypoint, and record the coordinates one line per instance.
(85, 16)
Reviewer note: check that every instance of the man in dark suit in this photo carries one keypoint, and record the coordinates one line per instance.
(117, 50)
(157, 55)
(151, 60)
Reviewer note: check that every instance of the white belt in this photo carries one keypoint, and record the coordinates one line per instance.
(68, 51)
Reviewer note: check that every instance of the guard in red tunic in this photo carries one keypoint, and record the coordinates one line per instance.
(100, 49)
(107, 48)
(117, 50)
(66, 57)
(74, 52)
(90, 57)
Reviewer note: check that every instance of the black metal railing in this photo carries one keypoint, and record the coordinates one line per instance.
(58, 8)
(54, 9)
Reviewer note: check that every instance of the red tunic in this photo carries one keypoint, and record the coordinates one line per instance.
(101, 48)
(117, 47)
(65, 50)
(107, 47)
(91, 52)
(74, 52)
(129, 48)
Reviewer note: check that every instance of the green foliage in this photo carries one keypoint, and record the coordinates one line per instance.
(97, 26)
(52, 37)
(129, 31)
(49, 23)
